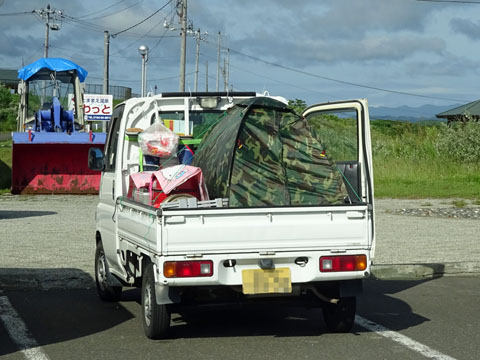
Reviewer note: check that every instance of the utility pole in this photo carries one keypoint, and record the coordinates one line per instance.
(197, 55)
(224, 74)
(218, 61)
(206, 76)
(51, 18)
(183, 47)
(47, 28)
(106, 61)
(106, 58)
(227, 69)
(198, 38)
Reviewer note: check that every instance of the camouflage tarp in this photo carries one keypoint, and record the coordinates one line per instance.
(263, 154)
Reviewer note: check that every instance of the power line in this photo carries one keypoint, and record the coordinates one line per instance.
(452, 1)
(99, 11)
(97, 28)
(137, 81)
(141, 22)
(134, 42)
(337, 80)
(274, 80)
(116, 12)
(17, 13)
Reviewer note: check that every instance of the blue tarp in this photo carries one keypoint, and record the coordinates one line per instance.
(54, 64)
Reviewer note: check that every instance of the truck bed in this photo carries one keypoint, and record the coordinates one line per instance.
(237, 230)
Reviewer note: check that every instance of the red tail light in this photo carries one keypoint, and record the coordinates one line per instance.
(343, 263)
(173, 269)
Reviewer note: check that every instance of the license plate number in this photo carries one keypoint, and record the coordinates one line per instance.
(258, 281)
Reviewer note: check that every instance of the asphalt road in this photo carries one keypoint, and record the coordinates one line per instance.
(436, 318)
(54, 237)
(48, 243)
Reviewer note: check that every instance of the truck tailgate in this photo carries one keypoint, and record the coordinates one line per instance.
(265, 229)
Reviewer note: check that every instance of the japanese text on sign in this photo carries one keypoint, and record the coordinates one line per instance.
(97, 107)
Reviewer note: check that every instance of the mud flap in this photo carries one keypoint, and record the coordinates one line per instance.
(350, 288)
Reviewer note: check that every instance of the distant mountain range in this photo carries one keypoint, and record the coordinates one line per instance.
(407, 113)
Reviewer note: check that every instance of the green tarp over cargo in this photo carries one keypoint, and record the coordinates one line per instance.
(260, 153)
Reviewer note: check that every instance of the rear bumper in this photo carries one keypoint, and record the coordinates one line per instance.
(229, 278)
(225, 274)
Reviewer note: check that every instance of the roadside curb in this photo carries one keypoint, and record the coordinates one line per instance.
(425, 270)
(75, 279)
(45, 279)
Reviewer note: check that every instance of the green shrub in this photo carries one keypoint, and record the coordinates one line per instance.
(460, 142)
(401, 140)
(8, 109)
(297, 105)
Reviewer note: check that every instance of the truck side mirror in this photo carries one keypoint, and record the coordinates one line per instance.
(96, 159)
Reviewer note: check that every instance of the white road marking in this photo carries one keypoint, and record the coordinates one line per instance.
(19, 333)
(401, 339)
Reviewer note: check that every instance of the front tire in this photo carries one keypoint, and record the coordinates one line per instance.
(155, 318)
(340, 317)
(104, 290)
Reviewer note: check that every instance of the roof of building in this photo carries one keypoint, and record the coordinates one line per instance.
(8, 76)
(472, 109)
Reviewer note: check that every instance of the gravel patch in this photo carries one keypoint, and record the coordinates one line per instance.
(465, 213)
(57, 232)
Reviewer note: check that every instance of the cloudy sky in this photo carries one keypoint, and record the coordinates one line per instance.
(392, 52)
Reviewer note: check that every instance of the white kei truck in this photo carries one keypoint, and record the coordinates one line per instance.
(210, 254)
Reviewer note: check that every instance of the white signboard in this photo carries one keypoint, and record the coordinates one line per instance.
(71, 102)
(97, 107)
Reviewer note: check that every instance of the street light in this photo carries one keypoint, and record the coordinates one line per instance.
(143, 50)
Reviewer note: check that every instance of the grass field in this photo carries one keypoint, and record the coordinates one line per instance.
(426, 160)
(421, 179)
(5, 165)
(410, 160)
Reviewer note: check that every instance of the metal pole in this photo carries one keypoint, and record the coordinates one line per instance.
(45, 49)
(45, 53)
(218, 61)
(143, 76)
(106, 61)
(106, 58)
(206, 76)
(47, 28)
(227, 70)
(145, 92)
(197, 55)
(183, 47)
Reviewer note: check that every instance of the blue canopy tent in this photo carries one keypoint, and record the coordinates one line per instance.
(53, 64)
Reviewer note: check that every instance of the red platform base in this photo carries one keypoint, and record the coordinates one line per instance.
(53, 169)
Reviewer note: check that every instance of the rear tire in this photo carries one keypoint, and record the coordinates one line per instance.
(155, 318)
(340, 317)
(104, 290)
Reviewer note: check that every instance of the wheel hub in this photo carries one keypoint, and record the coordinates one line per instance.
(147, 305)
(102, 271)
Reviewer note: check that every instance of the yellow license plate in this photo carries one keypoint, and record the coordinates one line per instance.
(258, 281)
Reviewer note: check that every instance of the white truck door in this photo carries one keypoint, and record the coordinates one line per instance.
(107, 194)
(344, 129)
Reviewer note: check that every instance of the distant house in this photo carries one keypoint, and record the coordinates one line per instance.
(9, 78)
(464, 113)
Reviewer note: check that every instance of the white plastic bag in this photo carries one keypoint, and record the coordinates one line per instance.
(159, 141)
